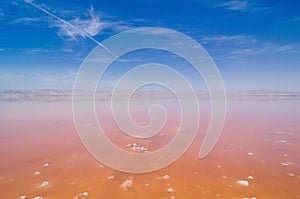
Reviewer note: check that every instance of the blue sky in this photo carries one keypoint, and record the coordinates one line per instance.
(255, 44)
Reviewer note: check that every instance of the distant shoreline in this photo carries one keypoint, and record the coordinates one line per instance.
(66, 95)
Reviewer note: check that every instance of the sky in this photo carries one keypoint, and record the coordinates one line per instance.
(255, 44)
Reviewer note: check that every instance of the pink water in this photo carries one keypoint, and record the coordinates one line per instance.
(32, 134)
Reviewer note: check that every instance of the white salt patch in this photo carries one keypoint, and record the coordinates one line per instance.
(250, 153)
(38, 197)
(136, 147)
(37, 173)
(250, 177)
(126, 184)
(170, 190)
(111, 177)
(291, 174)
(46, 164)
(23, 197)
(101, 166)
(291, 163)
(250, 198)
(279, 132)
(243, 183)
(44, 184)
(165, 177)
(284, 164)
(85, 194)
(280, 141)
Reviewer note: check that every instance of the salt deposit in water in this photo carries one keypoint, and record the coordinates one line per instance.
(165, 177)
(136, 147)
(85, 193)
(170, 190)
(44, 184)
(37, 173)
(46, 164)
(284, 164)
(38, 197)
(243, 183)
(280, 141)
(126, 184)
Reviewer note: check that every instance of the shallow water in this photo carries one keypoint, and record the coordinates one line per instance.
(260, 139)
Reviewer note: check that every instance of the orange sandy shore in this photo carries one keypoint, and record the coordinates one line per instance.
(32, 134)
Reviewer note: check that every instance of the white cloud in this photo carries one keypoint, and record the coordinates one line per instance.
(10, 76)
(237, 39)
(246, 45)
(90, 26)
(233, 5)
(33, 80)
(1, 12)
(115, 25)
(293, 20)
(243, 5)
(27, 20)
(34, 51)
(69, 76)
(87, 27)
(154, 31)
(132, 60)
(266, 49)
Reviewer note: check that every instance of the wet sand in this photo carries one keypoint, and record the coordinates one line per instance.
(260, 139)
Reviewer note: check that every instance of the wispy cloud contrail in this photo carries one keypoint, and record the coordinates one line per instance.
(69, 24)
